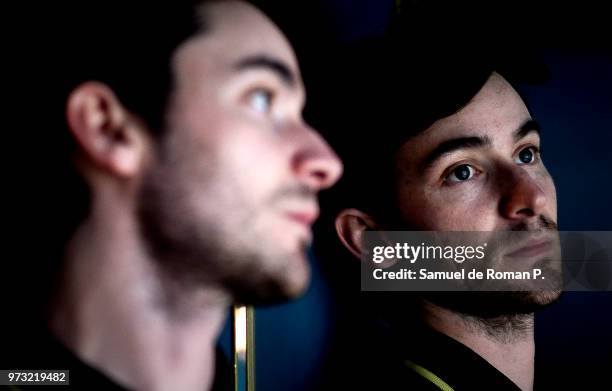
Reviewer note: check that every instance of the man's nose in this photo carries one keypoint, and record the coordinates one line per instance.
(314, 162)
(522, 196)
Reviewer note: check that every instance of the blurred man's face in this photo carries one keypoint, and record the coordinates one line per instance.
(480, 170)
(232, 192)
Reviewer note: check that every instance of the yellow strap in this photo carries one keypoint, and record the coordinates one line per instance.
(427, 374)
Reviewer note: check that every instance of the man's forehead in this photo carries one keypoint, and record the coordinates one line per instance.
(236, 29)
(495, 113)
(496, 105)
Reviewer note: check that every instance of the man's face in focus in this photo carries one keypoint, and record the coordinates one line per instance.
(477, 170)
(480, 170)
(231, 193)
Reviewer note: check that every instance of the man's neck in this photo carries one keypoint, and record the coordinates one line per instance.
(116, 312)
(508, 346)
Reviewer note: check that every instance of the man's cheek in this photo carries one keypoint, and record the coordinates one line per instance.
(469, 214)
(547, 185)
(551, 197)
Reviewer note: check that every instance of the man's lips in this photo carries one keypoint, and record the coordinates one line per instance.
(533, 248)
(304, 217)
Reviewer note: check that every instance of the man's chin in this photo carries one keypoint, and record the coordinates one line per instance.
(267, 287)
(485, 304)
(271, 294)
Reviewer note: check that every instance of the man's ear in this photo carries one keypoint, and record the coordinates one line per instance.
(111, 137)
(350, 226)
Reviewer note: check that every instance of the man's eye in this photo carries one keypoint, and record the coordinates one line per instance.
(527, 155)
(461, 173)
(260, 100)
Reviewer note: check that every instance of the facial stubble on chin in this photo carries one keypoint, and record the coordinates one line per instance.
(498, 309)
(193, 254)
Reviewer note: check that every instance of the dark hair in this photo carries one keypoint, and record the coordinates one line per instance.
(388, 94)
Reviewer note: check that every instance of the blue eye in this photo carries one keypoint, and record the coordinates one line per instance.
(460, 173)
(260, 100)
(526, 156)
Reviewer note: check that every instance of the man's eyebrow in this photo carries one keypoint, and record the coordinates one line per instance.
(529, 126)
(276, 66)
(453, 145)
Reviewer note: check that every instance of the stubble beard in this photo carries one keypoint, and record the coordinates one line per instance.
(192, 251)
(501, 315)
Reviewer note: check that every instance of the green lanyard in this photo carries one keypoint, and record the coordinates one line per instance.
(429, 375)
